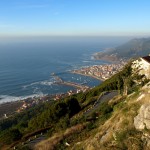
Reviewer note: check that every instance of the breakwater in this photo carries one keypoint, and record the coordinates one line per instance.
(68, 83)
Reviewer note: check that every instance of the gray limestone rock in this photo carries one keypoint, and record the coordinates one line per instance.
(142, 120)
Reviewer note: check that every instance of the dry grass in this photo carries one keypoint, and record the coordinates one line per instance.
(50, 143)
(121, 119)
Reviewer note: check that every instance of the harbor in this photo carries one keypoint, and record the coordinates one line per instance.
(59, 80)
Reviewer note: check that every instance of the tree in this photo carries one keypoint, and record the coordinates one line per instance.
(11, 135)
(73, 106)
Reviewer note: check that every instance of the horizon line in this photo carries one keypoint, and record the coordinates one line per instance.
(38, 36)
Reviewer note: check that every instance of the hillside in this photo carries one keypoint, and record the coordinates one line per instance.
(132, 49)
(102, 118)
(127, 128)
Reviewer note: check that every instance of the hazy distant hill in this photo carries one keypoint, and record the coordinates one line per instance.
(133, 48)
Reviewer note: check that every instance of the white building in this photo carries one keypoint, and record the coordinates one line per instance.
(143, 65)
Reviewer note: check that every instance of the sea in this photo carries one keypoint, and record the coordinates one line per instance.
(27, 63)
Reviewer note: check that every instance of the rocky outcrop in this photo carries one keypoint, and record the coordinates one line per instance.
(142, 120)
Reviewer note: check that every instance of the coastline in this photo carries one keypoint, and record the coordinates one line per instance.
(100, 72)
(9, 108)
(92, 76)
(108, 58)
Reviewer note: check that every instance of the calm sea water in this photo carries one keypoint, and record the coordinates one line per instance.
(26, 64)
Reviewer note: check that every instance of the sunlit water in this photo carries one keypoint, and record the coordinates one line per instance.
(26, 65)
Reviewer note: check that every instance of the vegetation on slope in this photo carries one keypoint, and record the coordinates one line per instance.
(56, 116)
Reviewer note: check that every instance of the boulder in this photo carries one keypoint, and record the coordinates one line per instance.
(142, 120)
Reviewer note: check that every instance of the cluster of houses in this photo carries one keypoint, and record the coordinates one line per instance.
(30, 102)
(69, 93)
(101, 71)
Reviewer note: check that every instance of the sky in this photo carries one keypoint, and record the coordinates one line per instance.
(74, 17)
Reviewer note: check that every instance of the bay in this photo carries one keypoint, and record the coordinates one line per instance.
(26, 64)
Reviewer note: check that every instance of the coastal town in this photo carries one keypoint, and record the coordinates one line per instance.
(101, 72)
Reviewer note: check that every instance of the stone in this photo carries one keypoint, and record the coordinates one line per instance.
(142, 120)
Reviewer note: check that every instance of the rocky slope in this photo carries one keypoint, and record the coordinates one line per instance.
(128, 127)
(142, 120)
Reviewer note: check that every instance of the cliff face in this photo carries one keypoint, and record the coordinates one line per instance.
(142, 120)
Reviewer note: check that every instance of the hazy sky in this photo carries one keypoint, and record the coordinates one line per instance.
(74, 17)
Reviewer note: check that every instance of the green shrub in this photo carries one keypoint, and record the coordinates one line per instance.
(105, 108)
(10, 136)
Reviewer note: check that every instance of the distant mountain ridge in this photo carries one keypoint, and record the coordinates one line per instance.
(132, 49)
